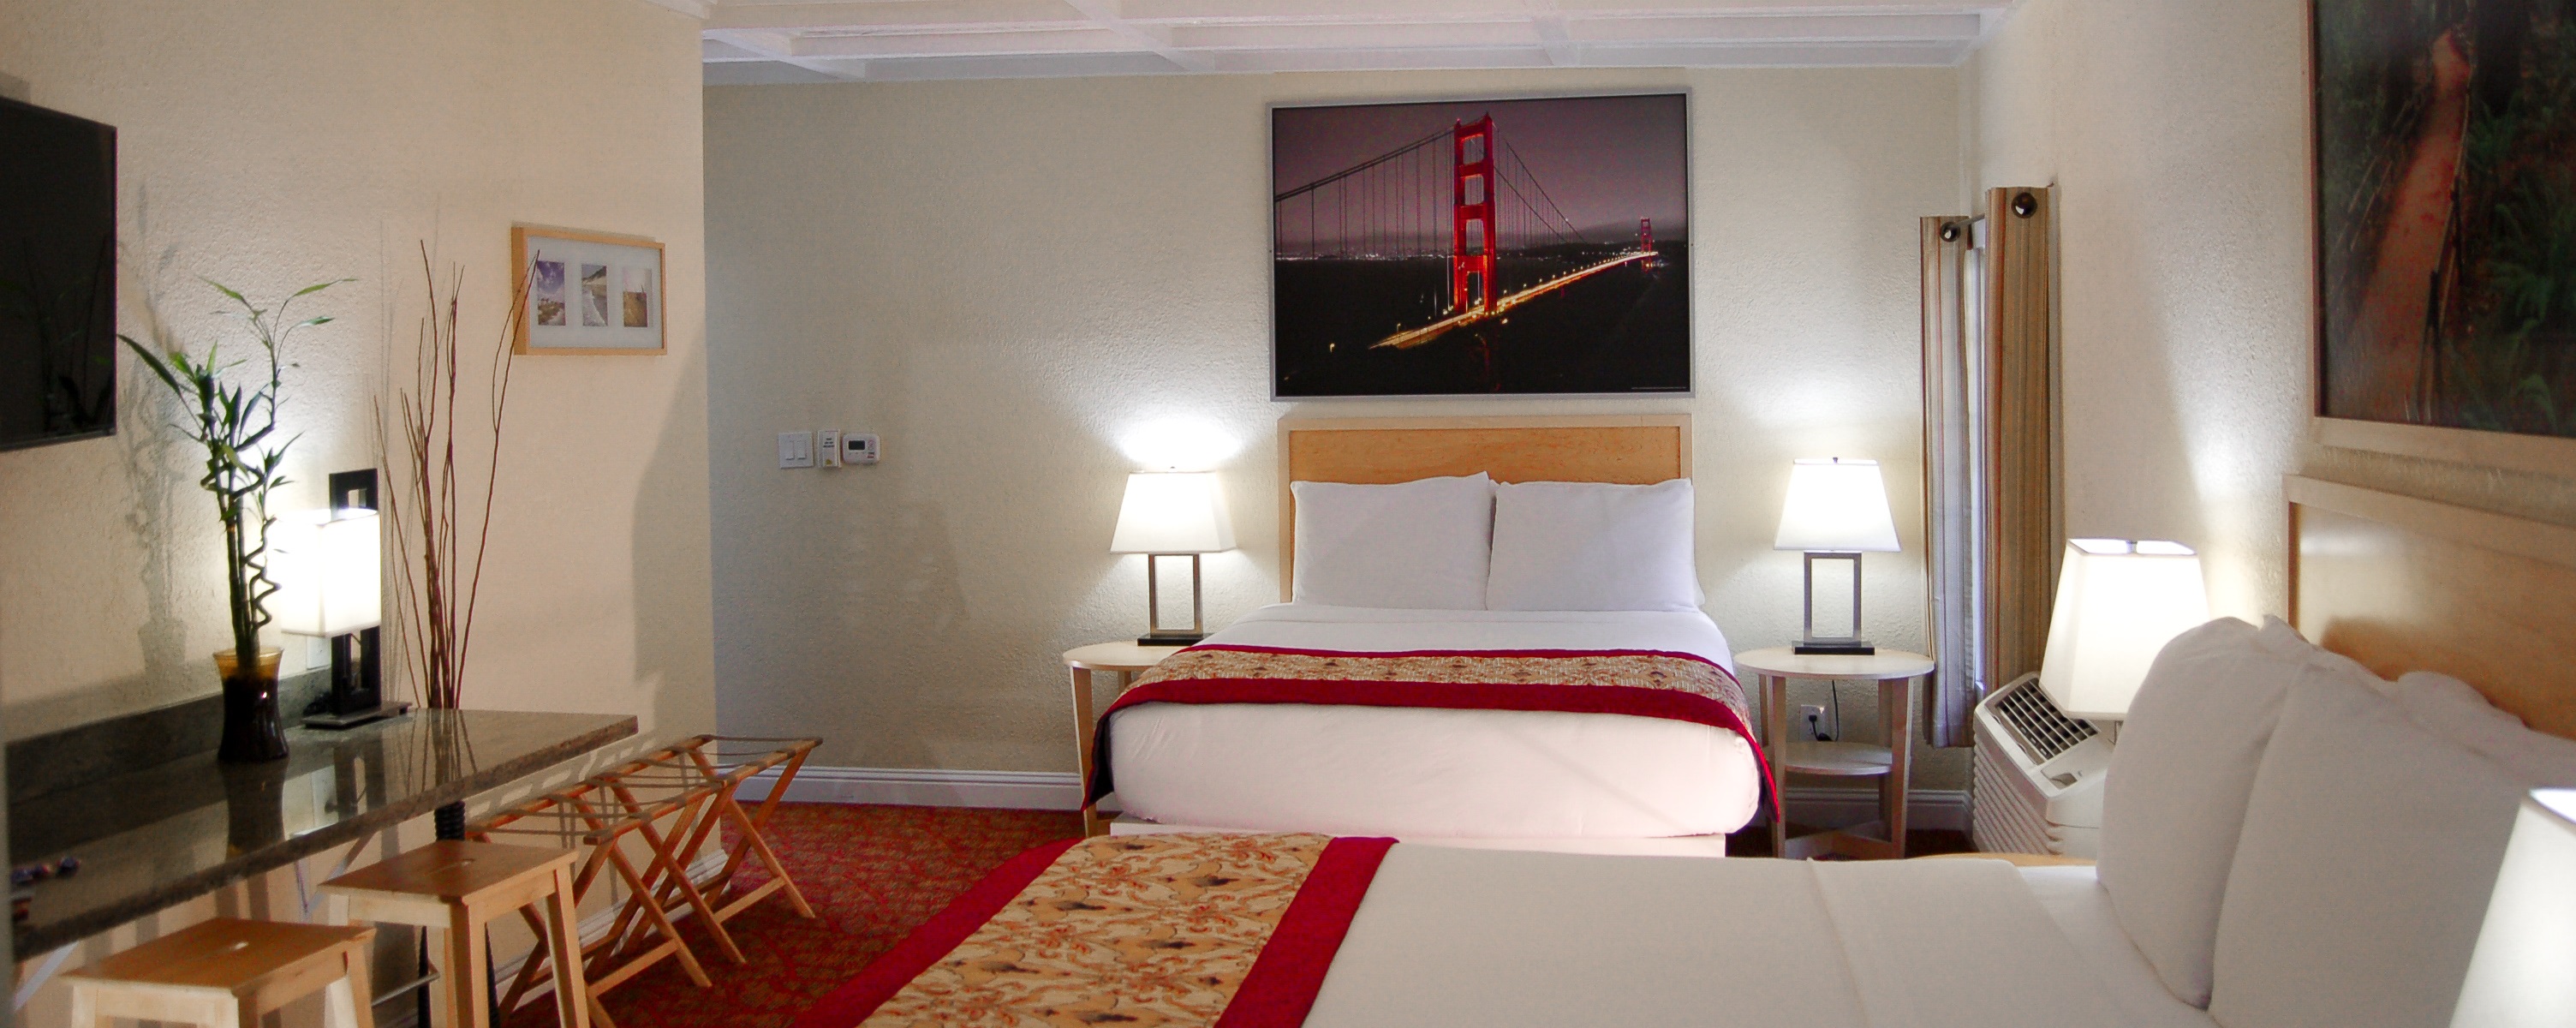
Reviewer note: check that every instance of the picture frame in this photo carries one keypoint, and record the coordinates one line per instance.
(2432, 371)
(588, 293)
(1482, 246)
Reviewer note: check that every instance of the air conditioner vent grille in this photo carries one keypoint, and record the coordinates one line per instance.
(2044, 730)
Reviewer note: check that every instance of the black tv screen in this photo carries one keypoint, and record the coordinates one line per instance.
(57, 276)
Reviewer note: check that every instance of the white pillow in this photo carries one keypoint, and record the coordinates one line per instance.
(2180, 774)
(1420, 545)
(2370, 848)
(2453, 710)
(1593, 546)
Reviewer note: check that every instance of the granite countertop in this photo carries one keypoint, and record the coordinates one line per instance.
(161, 835)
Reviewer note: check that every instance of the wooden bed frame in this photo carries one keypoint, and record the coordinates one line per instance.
(2407, 584)
(1637, 449)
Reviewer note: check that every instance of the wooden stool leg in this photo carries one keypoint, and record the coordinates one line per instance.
(360, 986)
(85, 1009)
(468, 995)
(563, 940)
(339, 1005)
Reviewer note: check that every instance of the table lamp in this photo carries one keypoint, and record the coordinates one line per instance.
(1172, 514)
(2119, 601)
(329, 569)
(1837, 510)
(2519, 975)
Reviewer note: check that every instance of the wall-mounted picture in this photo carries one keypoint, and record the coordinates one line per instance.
(2446, 212)
(1528, 247)
(588, 292)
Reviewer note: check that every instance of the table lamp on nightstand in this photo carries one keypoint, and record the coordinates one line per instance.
(1172, 514)
(2518, 976)
(2119, 601)
(1837, 510)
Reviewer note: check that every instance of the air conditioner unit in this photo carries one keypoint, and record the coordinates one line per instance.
(2038, 775)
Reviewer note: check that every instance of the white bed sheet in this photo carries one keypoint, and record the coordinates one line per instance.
(1429, 773)
(1477, 937)
(2074, 898)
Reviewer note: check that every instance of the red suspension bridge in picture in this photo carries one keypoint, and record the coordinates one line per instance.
(1470, 202)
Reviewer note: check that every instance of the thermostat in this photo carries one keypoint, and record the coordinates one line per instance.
(859, 448)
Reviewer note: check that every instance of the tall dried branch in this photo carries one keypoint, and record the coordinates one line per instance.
(438, 575)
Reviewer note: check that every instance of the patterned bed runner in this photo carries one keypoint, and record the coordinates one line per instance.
(1641, 683)
(1233, 931)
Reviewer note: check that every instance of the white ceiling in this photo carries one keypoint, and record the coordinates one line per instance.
(790, 41)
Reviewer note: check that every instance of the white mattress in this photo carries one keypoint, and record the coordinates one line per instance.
(1478, 937)
(1429, 773)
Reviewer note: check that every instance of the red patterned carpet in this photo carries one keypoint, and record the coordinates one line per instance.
(872, 873)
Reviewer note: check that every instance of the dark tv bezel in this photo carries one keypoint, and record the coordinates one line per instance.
(115, 371)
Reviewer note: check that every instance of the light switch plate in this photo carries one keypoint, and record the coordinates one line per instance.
(828, 443)
(795, 449)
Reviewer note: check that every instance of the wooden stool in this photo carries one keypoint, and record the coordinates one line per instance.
(458, 887)
(226, 973)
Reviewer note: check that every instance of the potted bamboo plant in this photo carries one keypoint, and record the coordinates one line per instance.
(237, 424)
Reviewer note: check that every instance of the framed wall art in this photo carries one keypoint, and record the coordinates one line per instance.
(1515, 246)
(2445, 175)
(588, 292)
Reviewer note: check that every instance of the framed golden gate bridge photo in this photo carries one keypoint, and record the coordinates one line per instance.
(1518, 246)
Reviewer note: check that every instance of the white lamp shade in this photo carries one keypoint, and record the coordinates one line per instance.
(2523, 974)
(1836, 505)
(1172, 512)
(329, 572)
(2118, 603)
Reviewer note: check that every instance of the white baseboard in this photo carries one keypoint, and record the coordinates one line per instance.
(926, 787)
(1837, 808)
(1062, 790)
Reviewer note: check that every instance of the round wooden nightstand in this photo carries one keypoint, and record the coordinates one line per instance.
(1895, 672)
(1126, 659)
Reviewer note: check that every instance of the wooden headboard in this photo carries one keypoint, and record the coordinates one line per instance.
(1639, 449)
(2406, 584)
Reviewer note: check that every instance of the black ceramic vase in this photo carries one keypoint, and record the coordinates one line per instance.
(254, 731)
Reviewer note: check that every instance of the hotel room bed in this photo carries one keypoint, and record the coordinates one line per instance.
(2289, 840)
(1492, 636)
(1491, 775)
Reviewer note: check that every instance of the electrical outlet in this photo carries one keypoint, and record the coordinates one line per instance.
(1811, 720)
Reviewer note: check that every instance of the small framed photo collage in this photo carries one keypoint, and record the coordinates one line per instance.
(588, 292)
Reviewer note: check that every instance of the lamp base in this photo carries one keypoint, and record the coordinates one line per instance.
(1841, 647)
(343, 722)
(1169, 639)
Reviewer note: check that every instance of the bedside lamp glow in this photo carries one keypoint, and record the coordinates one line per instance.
(1836, 510)
(2518, 976)
(2118, 602)
(1172, 514)
(329, 570)
(329, 573)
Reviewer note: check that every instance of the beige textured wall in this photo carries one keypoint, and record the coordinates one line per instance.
(1012, 280)
(2177, 133)
(271, 144)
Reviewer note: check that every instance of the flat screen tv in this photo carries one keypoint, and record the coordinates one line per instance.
(57, 277)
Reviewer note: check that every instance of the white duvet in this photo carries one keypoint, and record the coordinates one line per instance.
(1472, 937)
(1439, 774)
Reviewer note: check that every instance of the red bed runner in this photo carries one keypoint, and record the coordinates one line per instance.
(1234, 931)
(1642, 683)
